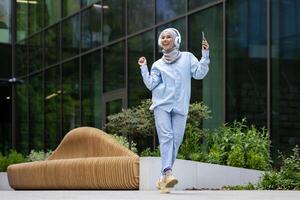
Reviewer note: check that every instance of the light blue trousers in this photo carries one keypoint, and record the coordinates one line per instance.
(170, 128)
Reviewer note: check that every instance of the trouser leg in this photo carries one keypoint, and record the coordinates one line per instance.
(178, 128)
(165, 136)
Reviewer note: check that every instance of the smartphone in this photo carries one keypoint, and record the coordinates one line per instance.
(203, 36)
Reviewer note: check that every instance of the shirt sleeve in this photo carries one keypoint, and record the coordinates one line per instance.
(150, 80)
(200, 68)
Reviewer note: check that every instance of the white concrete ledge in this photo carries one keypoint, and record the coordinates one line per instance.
(4, 181)
(196, 175)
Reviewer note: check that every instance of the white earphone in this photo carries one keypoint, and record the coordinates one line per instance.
(177, 38)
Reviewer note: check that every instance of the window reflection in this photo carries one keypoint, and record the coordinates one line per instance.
(36, 112)
(5, 21)
(70, 37)
(211, 89)
(70, 6)
(88, 2)
(141, 45)
(246, 61)
(113, 19)
(36, 16)
(52, 11)
(70, 95)
(114, 67)
(52, 45)
(22, 20)
(198, 3)
(140, 14)
(91, 90)
(91, 28)
(168, 9)
(52, 107)
(21, 58)
(35, 52)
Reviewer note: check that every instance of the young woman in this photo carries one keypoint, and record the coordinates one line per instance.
(170, 83)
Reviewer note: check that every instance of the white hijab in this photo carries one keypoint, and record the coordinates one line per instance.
(172, 54)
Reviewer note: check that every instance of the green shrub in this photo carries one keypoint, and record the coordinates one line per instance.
(38, 155)
(123, 141)
(236, 157)
(288, 176)
(215, 155)
(149, 152)
(12, 158)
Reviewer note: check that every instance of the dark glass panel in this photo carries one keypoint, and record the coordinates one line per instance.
(70, 96)
(22, 20)
(113, 107)
(5, 118)
(198, 3)
(5, 16)
(91, 90)
(52, 11)
(141, 45)
(168, 9)
(246, 61)
(285, 36)
(88, 2)
(91, 28)
(140, 14)
(70, 7)
(36, 112)
(22, 110)
(114, 67)
(113, 19)
(36, 15)
(5, 58)
(35, 52)
(52, 45)
(21, 58)
(70, 37)
(52, 108)
(211, 88)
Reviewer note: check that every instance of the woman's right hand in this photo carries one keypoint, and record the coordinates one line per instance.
(142, 61)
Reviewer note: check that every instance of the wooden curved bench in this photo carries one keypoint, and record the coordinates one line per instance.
(86, 158)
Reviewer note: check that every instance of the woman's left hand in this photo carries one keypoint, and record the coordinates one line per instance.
(205, 45)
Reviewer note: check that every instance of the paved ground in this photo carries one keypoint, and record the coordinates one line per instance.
(149, 195)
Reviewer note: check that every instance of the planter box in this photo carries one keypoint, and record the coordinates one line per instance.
(4, 181)
(196, 175)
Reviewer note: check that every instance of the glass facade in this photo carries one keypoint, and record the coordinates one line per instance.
(76, 62)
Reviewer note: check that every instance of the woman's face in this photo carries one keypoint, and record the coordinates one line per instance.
(167, 41)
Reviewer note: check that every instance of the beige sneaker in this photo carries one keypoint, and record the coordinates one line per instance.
(170, 180)
(161, 185)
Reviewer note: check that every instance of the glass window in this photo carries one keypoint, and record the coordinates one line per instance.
(35, 52)
(285, 74)
(113, 107)
(5, 118)
(52, 11)
(114, 19)
(246, 61)
(198, 3)
(22, 132)
(36, 15)
(5, 21)
(140, 14)
(21, 58)
(70, 37)
(168, 9)
(52, 45)
(5, 58)
(211, 89)
(36, 112)
(180, 26)
(52, 107)
(91, 27)
(141, 45)
(70, 7)
(114, 67)
(22, 20)
(88, 2)
(91, 90)
(70, 96)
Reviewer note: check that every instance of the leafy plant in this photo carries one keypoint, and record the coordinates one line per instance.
(38, 155)
(123, 141)
(12, 158)
(149, 152)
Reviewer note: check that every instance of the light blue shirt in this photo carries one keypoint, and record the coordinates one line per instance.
(171, 83)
